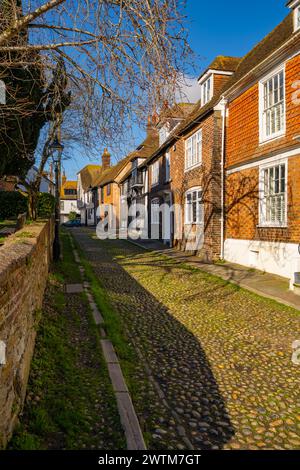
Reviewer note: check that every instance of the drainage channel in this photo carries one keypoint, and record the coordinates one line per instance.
(130, 423)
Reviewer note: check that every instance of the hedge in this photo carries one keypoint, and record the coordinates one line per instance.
(13, 203)
(46, 205)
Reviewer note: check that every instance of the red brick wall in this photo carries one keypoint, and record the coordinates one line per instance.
(242, 206)
(23, 276)
(243, 122)
(219, 82)
(207, 176)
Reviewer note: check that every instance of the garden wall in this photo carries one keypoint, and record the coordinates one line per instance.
(24, 265)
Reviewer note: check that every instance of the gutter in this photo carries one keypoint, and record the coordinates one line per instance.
(175, 137)
(278, 51)
(224, 112)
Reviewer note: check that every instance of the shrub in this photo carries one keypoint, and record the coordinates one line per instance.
(46, 205)
(12, 204)
(72, 216)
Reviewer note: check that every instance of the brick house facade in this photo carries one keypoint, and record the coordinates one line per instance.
(134, 185)
(191, 156)
(263, 155)
(230, 162)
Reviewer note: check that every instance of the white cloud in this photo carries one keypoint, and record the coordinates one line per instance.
(189, 90)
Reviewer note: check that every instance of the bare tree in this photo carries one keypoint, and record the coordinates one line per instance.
(123, 58)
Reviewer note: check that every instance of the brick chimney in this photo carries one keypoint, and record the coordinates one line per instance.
(63, 179)
(105, 160)
(151, 124)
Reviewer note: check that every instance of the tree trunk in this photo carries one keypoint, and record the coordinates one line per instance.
(32, 203)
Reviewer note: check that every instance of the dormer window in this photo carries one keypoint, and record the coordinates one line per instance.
(297, 18)
(295, 5)
(207, 90)
(163, 133)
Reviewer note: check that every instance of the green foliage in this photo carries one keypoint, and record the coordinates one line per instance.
(12, 204)
(61, 409)
(46, 205)
(72, 216)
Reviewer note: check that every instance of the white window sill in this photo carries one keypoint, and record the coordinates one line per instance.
(268, 140)
(190, 168)
(154, 184)
(272, 225)
(193, 223)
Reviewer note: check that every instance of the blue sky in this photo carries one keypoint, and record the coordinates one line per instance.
(217, 27)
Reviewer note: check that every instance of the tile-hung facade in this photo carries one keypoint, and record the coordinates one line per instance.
(134, 186)
(159, 192)
(109, 193)
(263, 154)
(185, 171)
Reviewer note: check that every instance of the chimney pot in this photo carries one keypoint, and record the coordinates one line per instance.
(105, 160)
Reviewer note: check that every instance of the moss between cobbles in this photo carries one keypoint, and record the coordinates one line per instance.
(246, 339)
(209, 277)
(70, 402)
(134, 373)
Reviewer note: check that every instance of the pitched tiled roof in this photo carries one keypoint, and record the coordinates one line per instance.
(147, 148)
(109, 175)
(260, 52)
(178, 110)
(68, 185)
(89, 175)
(225, 63)
(263, 49)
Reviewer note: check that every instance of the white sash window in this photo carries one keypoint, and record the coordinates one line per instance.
(272, 106)
(193, 150)
(274, 195)
(194, 206)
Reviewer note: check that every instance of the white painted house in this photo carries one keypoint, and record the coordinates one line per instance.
(68, 199)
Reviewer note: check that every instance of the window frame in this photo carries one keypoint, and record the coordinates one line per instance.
(167, 167)
(164, 133)
(155, 202)
(155, 170)
(204, 97)
(262, 198)
(263, 137)
(194, 163)
(297, 18)
(70, 192)
(190, 220)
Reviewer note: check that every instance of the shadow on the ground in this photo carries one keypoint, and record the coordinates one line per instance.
(175, 356)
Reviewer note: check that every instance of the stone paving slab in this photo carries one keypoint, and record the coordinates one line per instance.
(117, 378)
(109, 352)
(95, 312)
(135, 440)
(76, 256)
(221, 356)
(74, 288)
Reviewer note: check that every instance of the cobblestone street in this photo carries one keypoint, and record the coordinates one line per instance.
(219, 357)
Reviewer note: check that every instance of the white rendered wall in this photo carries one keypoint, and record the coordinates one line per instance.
(278, 258)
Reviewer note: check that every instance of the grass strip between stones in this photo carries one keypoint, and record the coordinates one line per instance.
(116, 332)
(70, 403)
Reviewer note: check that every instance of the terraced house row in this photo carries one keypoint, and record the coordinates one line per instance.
(231, 162)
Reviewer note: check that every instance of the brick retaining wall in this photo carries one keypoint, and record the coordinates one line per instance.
(24, 265)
